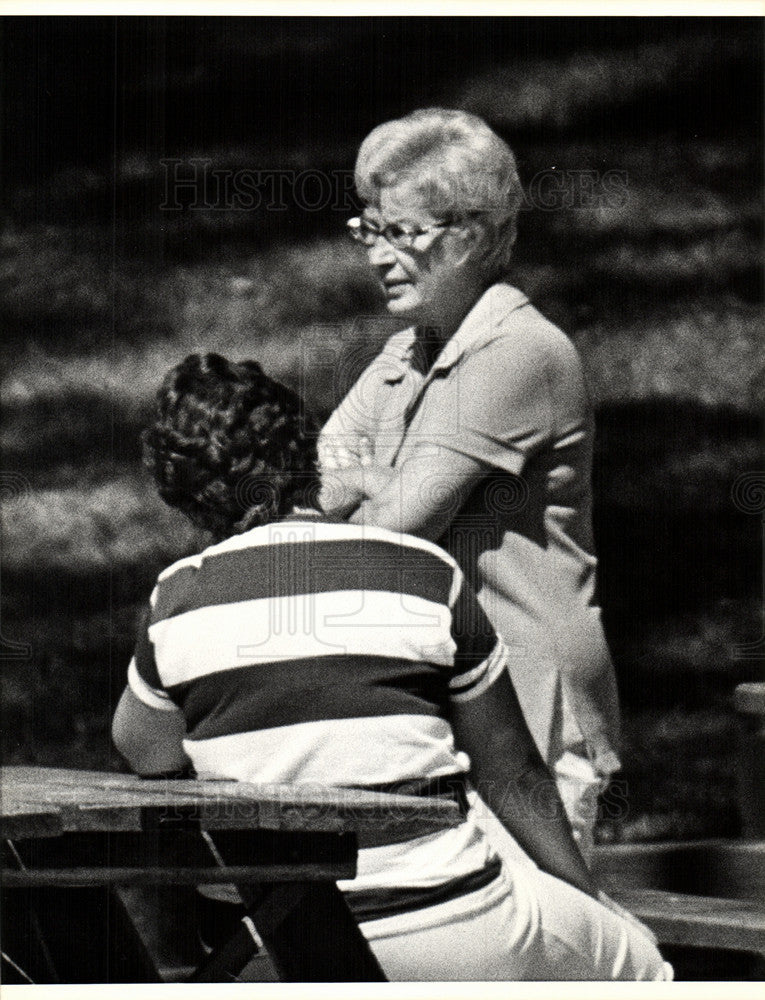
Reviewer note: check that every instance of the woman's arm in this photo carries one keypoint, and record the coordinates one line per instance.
(511, 777)
(150, 739)
(423, 495)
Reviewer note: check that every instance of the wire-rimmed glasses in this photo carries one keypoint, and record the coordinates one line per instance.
(400, 235)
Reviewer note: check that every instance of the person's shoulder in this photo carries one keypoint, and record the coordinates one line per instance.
(524, 334)
(515, 315)
(188, 565)
(185, 564)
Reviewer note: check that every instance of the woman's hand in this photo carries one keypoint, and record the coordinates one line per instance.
(345, 488)
(337, 455)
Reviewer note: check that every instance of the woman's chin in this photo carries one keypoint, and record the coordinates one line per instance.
(401, 306)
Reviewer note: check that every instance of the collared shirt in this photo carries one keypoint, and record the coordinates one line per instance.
(508, 391)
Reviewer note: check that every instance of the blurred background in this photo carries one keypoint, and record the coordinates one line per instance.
(111, 271)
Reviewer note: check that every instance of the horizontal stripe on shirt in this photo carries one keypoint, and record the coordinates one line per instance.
(293, 568)
(338, 752)
(150, 694)
(230, 636)
(265, 695)
(220, 916)
(312, 531)
(374, 904)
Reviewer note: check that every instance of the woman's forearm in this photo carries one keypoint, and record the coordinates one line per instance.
(388, 512)
(422, 495)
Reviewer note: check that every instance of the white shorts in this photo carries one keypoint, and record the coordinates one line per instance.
(525, 925)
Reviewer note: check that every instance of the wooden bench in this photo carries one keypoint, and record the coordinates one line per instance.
(699, 921)
(83, 849)
(702, 894)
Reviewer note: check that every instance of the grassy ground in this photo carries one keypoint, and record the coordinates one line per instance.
(660, 288)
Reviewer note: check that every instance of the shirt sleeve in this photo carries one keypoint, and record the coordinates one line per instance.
(480, 655)
(351, 420)
(143, 676)
(494, 405)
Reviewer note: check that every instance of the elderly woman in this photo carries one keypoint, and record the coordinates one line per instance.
(472, 428)
(248, 668)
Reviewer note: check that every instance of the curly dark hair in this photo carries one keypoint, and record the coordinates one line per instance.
(229, 446)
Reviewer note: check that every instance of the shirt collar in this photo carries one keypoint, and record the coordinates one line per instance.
(479, 325)
(397, 355)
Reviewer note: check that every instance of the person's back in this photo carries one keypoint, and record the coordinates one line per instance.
(318, 653)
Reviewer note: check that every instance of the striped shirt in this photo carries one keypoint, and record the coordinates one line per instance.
(309, 652)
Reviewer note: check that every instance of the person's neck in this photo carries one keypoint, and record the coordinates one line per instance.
(434, 330)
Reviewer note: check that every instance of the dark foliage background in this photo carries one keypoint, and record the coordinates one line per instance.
(103, 289)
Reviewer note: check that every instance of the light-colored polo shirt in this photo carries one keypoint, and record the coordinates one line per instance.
(508, 391)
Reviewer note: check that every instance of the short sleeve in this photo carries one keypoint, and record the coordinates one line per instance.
(143, 676)
(480, 655)
(493, 406)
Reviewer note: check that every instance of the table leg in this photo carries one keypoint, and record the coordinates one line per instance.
(309, 932)
(75, 935)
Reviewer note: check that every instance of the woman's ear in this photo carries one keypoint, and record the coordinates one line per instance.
(469, 234)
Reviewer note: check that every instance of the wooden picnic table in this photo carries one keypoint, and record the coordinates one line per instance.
(68, 834)
(86, 853)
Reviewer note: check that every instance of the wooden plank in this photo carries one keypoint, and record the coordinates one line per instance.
(699, 921)
(65, 776)
(733, 869)
(100, 801)
(375, 816)
(169, 855)
(147, 875)
(30, 819)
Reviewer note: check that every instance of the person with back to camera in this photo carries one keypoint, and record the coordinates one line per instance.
(406, 697)
(478, 412)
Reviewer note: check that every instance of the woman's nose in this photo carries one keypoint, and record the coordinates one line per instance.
(381, 252)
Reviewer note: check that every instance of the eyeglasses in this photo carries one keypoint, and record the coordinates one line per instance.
(399, 235)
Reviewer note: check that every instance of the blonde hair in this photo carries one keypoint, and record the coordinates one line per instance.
(458, 165)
